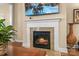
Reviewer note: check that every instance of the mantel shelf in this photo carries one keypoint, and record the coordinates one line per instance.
(30, 20)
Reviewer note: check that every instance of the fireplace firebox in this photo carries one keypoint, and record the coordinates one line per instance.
(41, 39)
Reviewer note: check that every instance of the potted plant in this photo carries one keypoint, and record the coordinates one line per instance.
(6, 33)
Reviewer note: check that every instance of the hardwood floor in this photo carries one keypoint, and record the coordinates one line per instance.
(19, 44)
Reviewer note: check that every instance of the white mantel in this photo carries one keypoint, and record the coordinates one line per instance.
(43, 23)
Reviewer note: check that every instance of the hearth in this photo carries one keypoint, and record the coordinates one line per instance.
(41, 39)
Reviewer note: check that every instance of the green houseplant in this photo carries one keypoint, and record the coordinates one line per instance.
(6, 33)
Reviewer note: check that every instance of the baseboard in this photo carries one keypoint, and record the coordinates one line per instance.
(63, 49)
(19, 40)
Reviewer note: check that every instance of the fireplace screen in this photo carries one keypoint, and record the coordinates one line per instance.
(41, 39)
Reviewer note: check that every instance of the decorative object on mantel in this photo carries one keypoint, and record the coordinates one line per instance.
(76, 16)
(30, 18)
(71, 38)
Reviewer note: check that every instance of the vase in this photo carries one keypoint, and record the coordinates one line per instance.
(3, 49)
(71, 38)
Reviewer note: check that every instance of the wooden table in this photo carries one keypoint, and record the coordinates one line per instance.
(21, 51)
(16, 49)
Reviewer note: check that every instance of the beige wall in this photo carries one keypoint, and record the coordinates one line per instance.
(19, 18)
(4, 12)
(70, 8)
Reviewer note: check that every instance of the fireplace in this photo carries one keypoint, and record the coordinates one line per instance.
(43, 34)
(41, 39)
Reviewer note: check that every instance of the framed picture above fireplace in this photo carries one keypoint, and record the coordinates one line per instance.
(35, 9)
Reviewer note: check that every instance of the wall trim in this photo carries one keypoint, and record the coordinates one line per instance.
(19, 40)
(63, 50)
